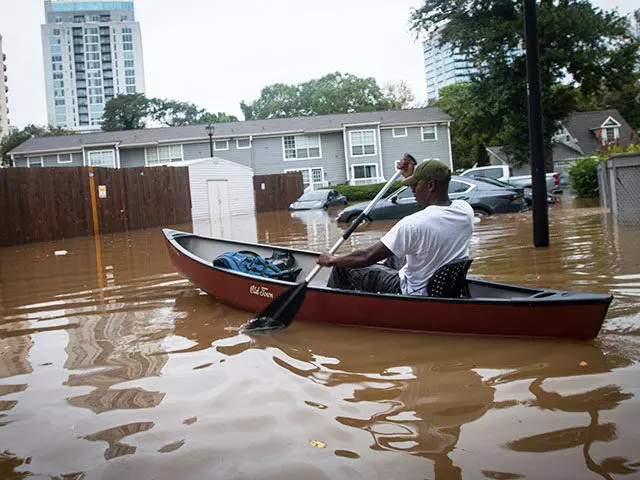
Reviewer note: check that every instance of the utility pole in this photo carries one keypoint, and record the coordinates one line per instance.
(536, 135)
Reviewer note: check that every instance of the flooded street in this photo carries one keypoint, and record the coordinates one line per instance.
(113, 366)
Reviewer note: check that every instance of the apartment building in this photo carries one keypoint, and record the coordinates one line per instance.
(92, 52)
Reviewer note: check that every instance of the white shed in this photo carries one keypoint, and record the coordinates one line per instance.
(221, 191)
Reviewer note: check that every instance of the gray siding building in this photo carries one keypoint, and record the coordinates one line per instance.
(354, 148)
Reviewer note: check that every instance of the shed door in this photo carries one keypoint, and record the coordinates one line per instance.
(219, 211)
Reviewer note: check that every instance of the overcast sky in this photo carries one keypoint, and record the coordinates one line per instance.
(216, 53)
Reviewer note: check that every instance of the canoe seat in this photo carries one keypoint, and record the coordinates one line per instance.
(450, 280)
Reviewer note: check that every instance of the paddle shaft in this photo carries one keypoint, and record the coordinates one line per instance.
(354, 224)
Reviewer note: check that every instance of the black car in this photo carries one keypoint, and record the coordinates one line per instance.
(318, 199)
(486, 198)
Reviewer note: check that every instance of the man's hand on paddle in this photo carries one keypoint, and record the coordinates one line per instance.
(407, 164)
(325, 259)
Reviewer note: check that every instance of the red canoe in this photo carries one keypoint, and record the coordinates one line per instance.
(491, 309)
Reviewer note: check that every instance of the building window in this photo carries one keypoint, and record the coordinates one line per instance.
(131, 89)
(363, 142)
(429, 133)
(311, 177)
(400, 132)
(34, 162)
(102, 158)
(364, 174)
(611, 134)
(298, 147)
(64, 158)
(163, 155)
(242, 143)
(221, 145)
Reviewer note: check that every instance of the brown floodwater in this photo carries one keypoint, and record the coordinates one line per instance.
(113, 366)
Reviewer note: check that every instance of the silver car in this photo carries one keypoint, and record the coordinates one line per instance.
(486, 198)
(318, 199)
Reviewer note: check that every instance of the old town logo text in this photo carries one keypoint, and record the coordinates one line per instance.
(260, 291)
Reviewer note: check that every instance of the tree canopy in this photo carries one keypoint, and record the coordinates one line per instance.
(332, 93)
(130, 112)
(581, 47)
(12, 141)
(125, 112)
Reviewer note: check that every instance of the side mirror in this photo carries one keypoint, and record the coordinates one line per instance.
(394, 199)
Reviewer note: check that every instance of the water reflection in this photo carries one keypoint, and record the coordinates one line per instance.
(128, 346)
(423, 397)
(113, 437)
(116, 367)
(592, 402)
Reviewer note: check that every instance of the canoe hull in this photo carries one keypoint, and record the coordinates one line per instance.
(575, 319)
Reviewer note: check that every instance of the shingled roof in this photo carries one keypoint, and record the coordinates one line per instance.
(583, 125)
(278, 126)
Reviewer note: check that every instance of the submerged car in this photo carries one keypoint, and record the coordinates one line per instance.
(486, 198)
(318, 199)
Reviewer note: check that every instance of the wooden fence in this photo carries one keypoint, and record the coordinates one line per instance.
(43, 204)
(276, 192)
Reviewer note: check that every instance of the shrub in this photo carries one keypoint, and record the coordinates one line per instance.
(584, 177)
(612, 149)
(361, 193)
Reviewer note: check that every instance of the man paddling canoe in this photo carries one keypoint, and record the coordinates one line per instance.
(428, 239)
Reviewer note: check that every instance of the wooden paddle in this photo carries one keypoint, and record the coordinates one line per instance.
(280, 312)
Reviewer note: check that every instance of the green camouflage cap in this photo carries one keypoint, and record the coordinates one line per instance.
(429, 170)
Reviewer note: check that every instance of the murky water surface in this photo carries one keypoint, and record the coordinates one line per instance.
(113, 366)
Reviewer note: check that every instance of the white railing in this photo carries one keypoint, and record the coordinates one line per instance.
(365, 181)
(316, 185)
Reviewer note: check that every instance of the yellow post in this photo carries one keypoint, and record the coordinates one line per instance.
(96, 234)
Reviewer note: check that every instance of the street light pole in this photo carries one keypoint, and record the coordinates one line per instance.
(210, 129)
(536, 136)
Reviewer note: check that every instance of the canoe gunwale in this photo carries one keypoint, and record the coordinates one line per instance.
(547, 297)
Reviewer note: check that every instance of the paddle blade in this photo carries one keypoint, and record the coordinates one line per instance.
(280, 313)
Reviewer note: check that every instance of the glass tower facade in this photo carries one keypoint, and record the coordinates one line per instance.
(4, 110)
(444, 65)
(92, 52)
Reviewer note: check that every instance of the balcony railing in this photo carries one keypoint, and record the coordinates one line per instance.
(315, 186)
(365, 181)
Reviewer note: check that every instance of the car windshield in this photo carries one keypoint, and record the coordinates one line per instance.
(315, 195)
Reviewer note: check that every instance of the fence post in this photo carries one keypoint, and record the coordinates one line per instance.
(94, 205)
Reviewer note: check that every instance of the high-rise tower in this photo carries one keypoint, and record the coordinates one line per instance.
(4, 111)
(92, 52)
(444, 65)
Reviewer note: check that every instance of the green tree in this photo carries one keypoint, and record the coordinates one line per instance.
(398, 95)
(580, 46)
(470, 133)
(333, 93)
(130, 112)
(12, 141)
(126, 112)
(220, 117)
(247, 111)
(173, 113)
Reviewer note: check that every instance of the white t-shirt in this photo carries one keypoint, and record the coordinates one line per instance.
(430, 239)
